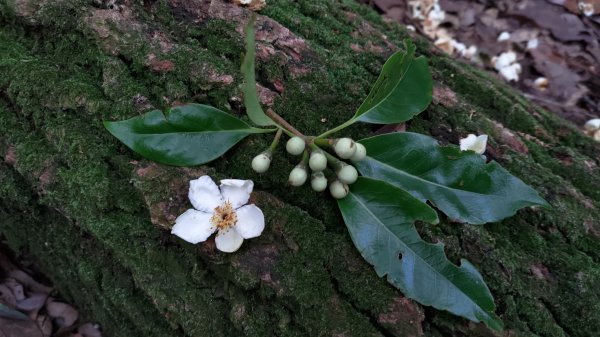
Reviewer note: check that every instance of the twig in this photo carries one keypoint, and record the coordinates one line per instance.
(279, 120)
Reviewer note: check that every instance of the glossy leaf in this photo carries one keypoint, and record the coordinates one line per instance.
(253, 108)
(189, 135)
(459, 183)
(380, 218)
(404, 89)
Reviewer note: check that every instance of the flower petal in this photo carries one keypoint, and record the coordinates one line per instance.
(592, 125)
(236, 191)
(466, 143)
(474, 143)
(250, 221)
(228, 240)
(204, 194)
(193, 226)
(481, 144)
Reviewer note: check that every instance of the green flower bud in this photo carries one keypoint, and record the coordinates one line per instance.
(298, 175)
(338, 189)
(347, 174)
(318, 182)
(261, 162)
(317, 161)
(295, 145)
(344, 148)
(360, 154)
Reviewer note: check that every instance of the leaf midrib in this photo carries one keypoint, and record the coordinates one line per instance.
(357, 115)
(402, 172)
(415, 254)
(198, 132)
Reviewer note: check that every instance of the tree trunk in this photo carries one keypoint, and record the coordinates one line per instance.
(92, 213)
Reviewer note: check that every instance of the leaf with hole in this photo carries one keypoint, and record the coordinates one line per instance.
(459, 183)
(404, 89)
(188, 135)
(380, 218)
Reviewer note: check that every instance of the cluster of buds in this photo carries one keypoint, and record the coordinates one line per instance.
(326, 169)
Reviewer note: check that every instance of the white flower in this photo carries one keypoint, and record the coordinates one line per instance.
(417, 13)
(506, 64)
(511, 72)
(221, 211)
(504, 60)
(470, 53)
(586, 7)
(533, 43)
(592, 125)
(592, 128)
(458, 46)
(503, 36)
(474, 143)
(436, 14)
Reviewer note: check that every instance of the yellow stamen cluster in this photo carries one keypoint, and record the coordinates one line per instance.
(224, 216)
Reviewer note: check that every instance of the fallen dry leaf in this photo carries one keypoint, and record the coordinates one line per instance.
(16, 288)
(64, 314)
(12, 328)
(562, 83)
(553, 39)
(32, 303)
(45, 325)
(564, 26)
(7, 297)
(585, 7)
(29, 282)
(27, 311)
(90, 330)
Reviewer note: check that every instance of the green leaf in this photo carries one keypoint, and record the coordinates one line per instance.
(459, 183)
(189, 135)
(404, 89)
(380, 218)
(253, 109)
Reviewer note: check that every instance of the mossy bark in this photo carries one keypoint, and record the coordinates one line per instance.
(90, 211)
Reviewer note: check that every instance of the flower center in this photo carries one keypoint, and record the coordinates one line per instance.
(224, 216)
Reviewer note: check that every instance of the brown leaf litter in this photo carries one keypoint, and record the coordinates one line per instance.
(556, 44)
(29, 308)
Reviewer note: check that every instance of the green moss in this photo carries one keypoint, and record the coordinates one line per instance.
(89, 228)
(81, 269)
(218, 36)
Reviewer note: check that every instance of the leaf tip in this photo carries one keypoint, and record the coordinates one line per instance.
(434, 220)
(109, 126)
(545, 204)
(494, 322)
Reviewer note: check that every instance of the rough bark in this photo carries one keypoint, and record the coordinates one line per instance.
(92, 213)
